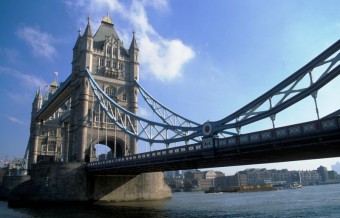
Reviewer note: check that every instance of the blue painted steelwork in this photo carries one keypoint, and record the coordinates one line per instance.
(170, 132)
(168, 116)
(286, 88)
(165, 114)
(126, 121)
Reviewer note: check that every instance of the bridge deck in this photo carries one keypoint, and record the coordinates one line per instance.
(315, 139)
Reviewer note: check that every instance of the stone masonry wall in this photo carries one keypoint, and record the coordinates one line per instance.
(69, 182)
(146, 186)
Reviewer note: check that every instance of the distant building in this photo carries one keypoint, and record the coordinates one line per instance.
(310, 177)
(204, 184)
(332, 175)
(177, 174)
(223, 182)
(323, 173)
(212, 174)
(202, 181)
(257, 176)
(253, 177)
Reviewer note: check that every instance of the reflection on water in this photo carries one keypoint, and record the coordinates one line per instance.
(313, 201)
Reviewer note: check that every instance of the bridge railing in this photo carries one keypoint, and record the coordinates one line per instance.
(179, 150)
(317, 127)
(281, 133)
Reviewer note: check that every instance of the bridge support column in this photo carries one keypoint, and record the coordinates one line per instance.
(64, 183)
(84, 107)
(35, 144)
(119, 188)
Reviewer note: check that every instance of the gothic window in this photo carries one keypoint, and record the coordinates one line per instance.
(110, 91)
(101, 62)
(124, 97)
(44, 145)
(96, 118)
(108, 50)
(120, 66)
(108, 63)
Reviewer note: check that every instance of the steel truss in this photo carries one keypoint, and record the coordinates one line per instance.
(139, 127)
(165, 114)
(285, 94)
(175, 128)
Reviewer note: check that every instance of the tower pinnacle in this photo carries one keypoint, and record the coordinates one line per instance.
(107, 19)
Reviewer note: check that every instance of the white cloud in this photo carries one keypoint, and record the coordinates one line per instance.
(16, 120)
(164, 58)
(40, 42)
(26, 80)
(160, 56)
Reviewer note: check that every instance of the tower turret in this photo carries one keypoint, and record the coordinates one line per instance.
(86, 47)
(34, 129)
(76, 49)
(134, 75)
(37, 102)
(133, 52)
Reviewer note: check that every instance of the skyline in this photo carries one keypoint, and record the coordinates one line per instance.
(203, 66)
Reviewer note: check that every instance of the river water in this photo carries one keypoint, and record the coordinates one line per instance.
(309, 201)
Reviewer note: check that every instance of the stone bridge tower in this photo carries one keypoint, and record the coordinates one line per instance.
(114, 68)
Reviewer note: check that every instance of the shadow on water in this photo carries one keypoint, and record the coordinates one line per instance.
(312, 201)
(119, 210)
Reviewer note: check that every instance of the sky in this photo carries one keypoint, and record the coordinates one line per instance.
(202, 59)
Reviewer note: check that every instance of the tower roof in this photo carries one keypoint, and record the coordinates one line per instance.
(106, 28)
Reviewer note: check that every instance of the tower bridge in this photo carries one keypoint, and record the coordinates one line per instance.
(98, 104)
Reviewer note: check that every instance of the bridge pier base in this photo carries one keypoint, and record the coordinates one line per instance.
(64, 183)
(143, 187)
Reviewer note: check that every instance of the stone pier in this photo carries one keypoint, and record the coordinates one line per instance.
(58, 183)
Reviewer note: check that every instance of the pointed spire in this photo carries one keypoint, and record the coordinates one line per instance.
(133, 45)
(87, 31)
(39, 96)
(78, 39)
(37, 102)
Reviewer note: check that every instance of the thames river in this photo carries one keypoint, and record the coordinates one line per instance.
(309, 201)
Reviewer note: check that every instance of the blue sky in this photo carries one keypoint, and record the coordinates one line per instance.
(203, 59)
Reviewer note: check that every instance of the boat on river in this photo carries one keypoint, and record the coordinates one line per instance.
(295, 185)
